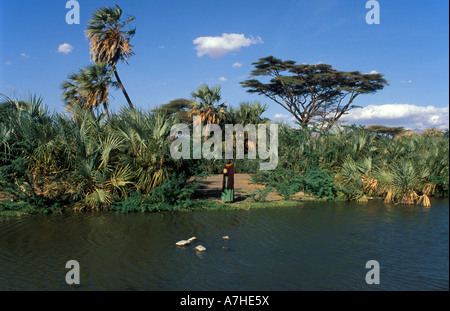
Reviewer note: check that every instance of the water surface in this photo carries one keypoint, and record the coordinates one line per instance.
(313, 246)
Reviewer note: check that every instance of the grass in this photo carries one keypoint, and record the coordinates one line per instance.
(12, 213)
(201, 205)
(241, 205)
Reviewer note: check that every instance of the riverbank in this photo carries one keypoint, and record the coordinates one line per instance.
(248, 195)
(245, 189)
(206, 197)
(197, 205)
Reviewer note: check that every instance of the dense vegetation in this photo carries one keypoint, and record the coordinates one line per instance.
(49, 160)
(92, 159)
(355, 163)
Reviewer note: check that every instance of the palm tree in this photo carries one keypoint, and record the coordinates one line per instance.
(89, 88)
(206, 97)
(433, 132)
(109, 43)
(145, 137)
(248, 113)
(97, 177)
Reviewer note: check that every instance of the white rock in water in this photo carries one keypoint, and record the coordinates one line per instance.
(183, 243)
(200, 248)
(226, 237)
(193, 239)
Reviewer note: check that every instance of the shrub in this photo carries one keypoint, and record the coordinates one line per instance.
(285, 181)
(176, 193)
(260, 194)
(317, 182)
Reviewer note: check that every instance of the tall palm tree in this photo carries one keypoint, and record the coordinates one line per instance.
(204, 106)
(109, 42)
(89, 88)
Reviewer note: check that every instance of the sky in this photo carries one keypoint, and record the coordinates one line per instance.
(181, 44)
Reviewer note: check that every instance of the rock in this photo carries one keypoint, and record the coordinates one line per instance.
(200, 248)
(226, 237)
(193, 239)
(183, 243)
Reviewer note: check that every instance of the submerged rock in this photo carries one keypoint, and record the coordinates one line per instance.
(183, 243)
(193, 239)
(200, 248)
(226, 237)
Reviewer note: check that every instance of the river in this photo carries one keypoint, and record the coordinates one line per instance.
(312, 246)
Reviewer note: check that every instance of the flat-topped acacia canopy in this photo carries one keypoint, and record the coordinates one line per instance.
(311, 92)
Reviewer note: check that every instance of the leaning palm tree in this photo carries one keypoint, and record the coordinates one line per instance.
(204, 106)
(109, 43)
(72, 94)
(89, 88)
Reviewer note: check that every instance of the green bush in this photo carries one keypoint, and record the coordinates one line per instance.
(174, 194)
(260, 195)
(442, 185)
(286, 182)
(317, 182)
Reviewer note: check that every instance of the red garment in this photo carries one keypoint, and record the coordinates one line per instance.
(230, 173)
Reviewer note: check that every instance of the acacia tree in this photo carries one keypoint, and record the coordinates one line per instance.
(178, 107)
(386, 130)
(311, 91)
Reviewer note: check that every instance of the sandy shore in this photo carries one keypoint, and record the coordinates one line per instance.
(211, 187)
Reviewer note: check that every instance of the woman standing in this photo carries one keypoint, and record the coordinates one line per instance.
(228, 182)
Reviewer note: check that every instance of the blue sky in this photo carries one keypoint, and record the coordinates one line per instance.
(410, 47)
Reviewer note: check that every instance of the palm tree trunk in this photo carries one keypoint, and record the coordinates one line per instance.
(105, 106)
(123, 89)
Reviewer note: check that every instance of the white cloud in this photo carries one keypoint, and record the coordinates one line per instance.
(25, 55)
(217, 47)
(65, 48)
(283, 118)
(395, 115)
(237, 65)
(8, 63)
(405, 115)
(373, 72)
(223, 79)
